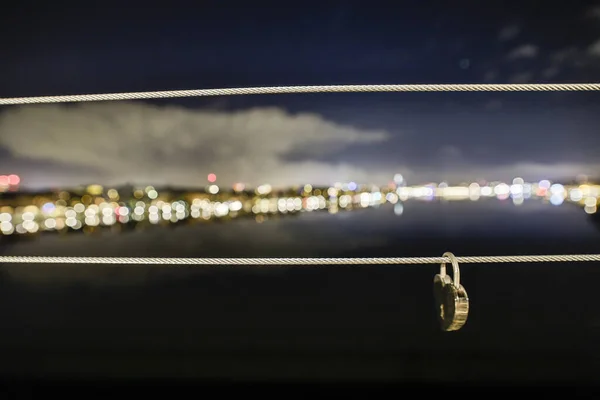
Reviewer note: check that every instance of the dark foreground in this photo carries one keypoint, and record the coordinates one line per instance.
(529, 323)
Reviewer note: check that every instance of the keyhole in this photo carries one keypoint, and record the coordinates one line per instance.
(442, 311)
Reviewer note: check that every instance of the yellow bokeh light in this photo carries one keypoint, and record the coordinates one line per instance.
(95, 190)
(113, 194)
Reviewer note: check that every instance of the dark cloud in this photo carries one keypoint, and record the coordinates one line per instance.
(550, 72)
(594, 49)
(523, 51)
(508, 32)
(594, 12)
(563, 55)
(490, 76)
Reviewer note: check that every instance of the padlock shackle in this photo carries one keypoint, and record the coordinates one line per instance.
(455, 269)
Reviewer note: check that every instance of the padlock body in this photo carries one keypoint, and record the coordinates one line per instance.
(452, 303)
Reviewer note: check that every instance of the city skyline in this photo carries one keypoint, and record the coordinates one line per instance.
(14, 183)
(96, 206)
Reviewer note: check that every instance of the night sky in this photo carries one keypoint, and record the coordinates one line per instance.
(290, 139)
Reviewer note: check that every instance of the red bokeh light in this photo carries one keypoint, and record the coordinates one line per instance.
(14, 180)
(212, 178)
(3, 180)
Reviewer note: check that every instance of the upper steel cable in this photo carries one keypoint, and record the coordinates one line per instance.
(476, 87)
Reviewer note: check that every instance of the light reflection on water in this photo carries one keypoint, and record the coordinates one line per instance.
(56, 215)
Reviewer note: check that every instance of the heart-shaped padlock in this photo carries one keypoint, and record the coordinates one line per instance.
(451, 297)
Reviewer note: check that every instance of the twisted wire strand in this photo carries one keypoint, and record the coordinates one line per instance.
(296, 261)
(515, 87)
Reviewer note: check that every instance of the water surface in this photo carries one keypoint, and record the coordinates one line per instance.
(527, 321)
